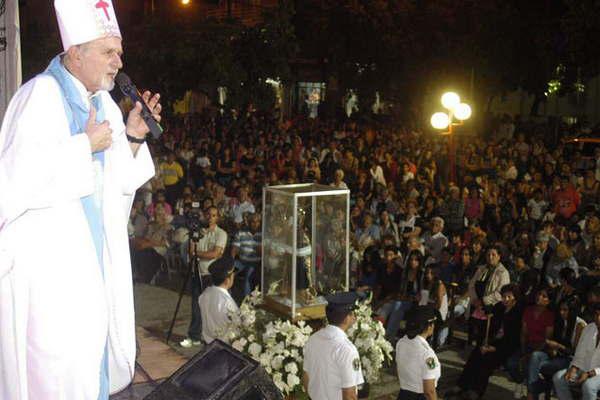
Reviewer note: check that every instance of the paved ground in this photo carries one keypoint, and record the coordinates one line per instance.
(155, 307)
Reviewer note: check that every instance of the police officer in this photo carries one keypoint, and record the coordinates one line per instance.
(418, 366)
(332, 368)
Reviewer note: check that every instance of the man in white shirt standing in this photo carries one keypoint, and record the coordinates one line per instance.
(216, 304)
(585, 367)
(207, 250)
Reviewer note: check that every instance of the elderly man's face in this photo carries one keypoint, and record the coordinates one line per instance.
(100, 62)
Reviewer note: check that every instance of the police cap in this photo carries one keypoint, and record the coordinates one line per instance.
(342, 301)
(420, 317)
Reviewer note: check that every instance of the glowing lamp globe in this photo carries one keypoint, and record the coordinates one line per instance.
(185, 2)
(462, 111)
(440, 120)
(450, 100)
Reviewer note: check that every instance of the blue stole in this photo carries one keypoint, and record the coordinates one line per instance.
(78, 115)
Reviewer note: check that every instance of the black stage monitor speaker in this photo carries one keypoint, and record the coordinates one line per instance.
(218, 372)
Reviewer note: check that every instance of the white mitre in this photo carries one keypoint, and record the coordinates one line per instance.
(81, 21)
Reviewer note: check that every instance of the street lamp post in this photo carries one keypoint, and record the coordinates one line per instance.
(457, 113)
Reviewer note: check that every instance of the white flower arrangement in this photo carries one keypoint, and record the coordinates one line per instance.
(278, 344)
(368, 335)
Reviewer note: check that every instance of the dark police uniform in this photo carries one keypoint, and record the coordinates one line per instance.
(331, 361)
(415, 359)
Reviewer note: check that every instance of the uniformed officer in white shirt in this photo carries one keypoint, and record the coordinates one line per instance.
(216, 304)
(332, 368)
(418, 366)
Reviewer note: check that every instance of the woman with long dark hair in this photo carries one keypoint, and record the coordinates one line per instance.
(559, 349)
(434, 293)
(410, 288)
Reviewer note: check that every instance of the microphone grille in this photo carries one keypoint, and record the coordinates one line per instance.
(122, 79)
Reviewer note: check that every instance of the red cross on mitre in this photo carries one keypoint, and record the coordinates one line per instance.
(103, 5)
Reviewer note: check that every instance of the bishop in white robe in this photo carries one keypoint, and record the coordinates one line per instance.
(66, 301)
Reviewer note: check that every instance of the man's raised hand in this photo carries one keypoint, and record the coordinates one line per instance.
(136, 126)
(99, 135)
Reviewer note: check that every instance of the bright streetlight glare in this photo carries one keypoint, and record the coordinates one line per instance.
(450, 100)
(185, 2)
(440, 120)
(462, 111)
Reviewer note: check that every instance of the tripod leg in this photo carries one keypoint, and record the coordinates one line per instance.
(181, 292)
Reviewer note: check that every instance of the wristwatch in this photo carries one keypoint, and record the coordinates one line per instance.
(133, 139)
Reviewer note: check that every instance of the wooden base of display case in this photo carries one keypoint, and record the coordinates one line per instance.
(303, 313)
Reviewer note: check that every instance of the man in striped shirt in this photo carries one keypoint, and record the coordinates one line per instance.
(246, 250)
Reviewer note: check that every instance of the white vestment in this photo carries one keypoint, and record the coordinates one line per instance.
(56, 310)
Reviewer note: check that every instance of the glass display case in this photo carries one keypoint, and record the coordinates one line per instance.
(305, 248)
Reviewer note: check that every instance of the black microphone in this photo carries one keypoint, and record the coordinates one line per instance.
(129, 90)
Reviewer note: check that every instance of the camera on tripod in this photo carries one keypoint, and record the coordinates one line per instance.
(195, 222)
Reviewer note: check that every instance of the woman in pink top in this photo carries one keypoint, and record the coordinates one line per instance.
(537, 327)
(538, 323)
(474, 205)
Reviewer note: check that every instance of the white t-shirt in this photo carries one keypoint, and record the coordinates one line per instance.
(537, 208)
(377, 175)
(215, 238)
(238, 211)
(203, 162)
(407, 176)
(342, 185)
(427, 299)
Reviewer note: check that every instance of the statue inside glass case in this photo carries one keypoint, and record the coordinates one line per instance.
(305, 282)
(305, 253)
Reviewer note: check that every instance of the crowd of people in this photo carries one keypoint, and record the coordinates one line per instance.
(511, 249)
